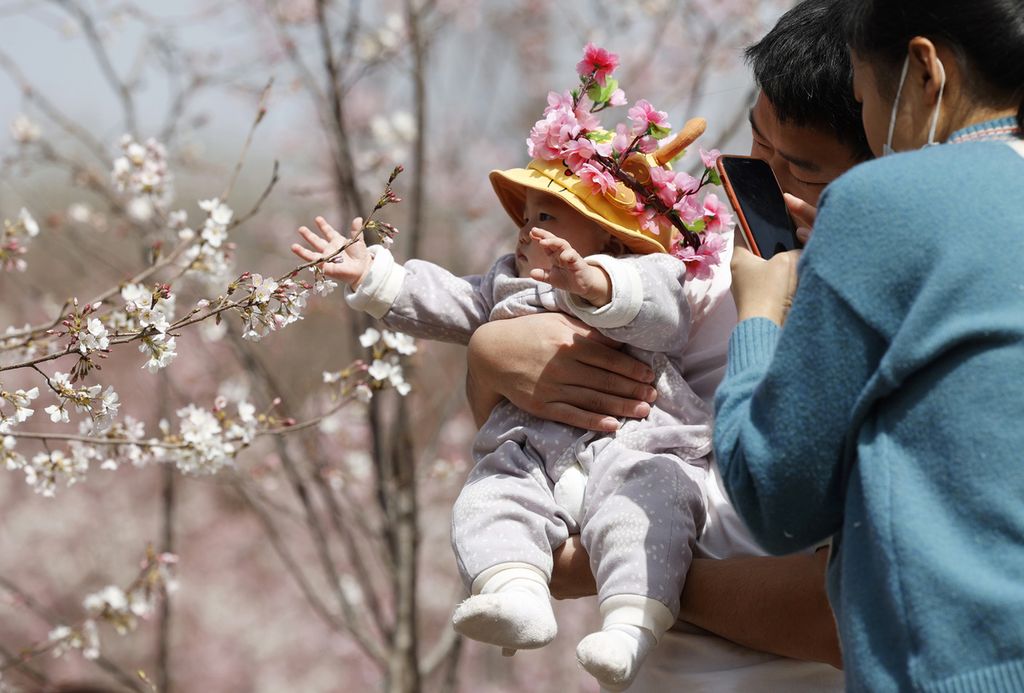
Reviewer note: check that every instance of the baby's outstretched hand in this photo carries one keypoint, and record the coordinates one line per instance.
(570, 271)
(350, 266)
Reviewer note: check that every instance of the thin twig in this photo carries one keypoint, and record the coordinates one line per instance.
(261, 111)
(102, 662)
(351, 618)
(99, 50)
(291, 565)
(15, 662)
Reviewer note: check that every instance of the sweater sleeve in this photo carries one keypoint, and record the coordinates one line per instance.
(784, 415)
(423, 299)
(648, 310)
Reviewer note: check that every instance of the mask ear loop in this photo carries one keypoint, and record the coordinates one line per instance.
(938, 105)
(896, 105)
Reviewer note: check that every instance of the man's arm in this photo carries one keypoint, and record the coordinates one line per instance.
(772, 604)
(556, 368)
(775, 604)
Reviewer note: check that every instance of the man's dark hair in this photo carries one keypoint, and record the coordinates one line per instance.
(803, 68)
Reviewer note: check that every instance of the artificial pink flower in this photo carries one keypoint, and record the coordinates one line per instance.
(717, 217)
(550, 134)
(618, 98)
(578, 152)
(686, 184)
(621, 140)
(587, 120)
(598, 179)
(647, 145)
(670, 185)
(709, 158)
(664, 183)
(598, 62)
(651, 221)
(688, 209)
(558, 102)
(701, 262)
(644, 116)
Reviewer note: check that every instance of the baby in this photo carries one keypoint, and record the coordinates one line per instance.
(635, 496)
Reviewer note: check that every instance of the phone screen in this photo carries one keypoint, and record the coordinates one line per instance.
(756, 192)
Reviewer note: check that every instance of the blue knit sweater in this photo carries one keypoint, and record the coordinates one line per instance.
(890, 413)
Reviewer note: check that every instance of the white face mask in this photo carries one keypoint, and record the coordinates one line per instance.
(887, 147)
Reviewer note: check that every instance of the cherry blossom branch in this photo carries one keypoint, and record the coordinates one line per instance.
(387, 198)
(97, 440)
(101, 661)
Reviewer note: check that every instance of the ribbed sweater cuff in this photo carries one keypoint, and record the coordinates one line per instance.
(752, 344)
(1008, 676)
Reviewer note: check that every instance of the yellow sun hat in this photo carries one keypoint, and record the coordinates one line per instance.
(613, 210)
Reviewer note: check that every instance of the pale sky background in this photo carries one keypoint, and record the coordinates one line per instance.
(40, 37)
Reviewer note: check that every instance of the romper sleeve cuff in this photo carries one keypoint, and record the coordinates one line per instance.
(752, 344)
(627, 295)
(381, 285)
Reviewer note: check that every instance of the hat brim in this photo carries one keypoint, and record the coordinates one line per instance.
(511, 185)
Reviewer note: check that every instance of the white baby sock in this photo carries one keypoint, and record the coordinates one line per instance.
(512, 609)
(613, 655)
(632, 627)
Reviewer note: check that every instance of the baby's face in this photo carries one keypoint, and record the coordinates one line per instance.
(547, 212)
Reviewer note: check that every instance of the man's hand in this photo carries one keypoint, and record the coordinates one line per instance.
(764, 288)
(571, 577)
(570, 271)
(557, 368)
(804, 214)
(350, 266)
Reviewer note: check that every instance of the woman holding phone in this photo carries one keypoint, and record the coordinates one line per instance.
(887, 413)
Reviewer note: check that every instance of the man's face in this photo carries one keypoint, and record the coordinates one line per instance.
(804, 159)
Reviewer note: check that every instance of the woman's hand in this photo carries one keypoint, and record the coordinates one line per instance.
(557, 368)
(804, 214)
(764, 288)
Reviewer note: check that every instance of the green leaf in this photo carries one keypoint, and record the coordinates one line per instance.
(599, 94)
(600, 136)
(696, 227)
(713, 177)
(658, 132)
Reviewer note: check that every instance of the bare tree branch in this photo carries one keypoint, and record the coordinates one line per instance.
(120, 87)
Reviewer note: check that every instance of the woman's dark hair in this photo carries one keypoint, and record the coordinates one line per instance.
(987, 35)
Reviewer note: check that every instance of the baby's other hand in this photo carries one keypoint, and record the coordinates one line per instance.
(350, 266)
(570, 271)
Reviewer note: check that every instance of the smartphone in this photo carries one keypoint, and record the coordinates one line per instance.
(760, 208)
